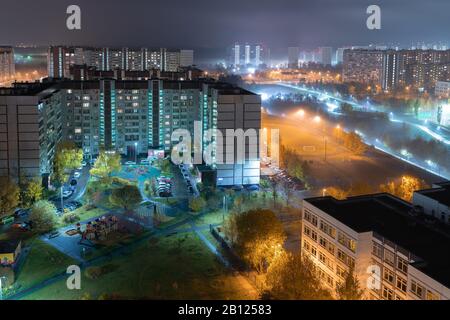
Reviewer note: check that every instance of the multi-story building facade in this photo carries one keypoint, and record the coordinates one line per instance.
(129, 116)
(293, 56)
(7, 66)
(186, 58)
(30, 128)
(394, 69)
(395, 254)
(442, 89)
(249, 55)
(61, 59)
(326, 54)
(361, 65)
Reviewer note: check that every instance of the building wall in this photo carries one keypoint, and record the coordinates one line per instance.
(395, 277)
(19, 136)
(432, 207)
(239, 112)
(442, 89)
(7, 65)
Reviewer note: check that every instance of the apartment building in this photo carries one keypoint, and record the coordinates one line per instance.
(249, 55)
(7, 65)
(61, 59)
(442, 89)
(394, 69)
(396, 255)
(363, 66)
(130, 116)
(30, 128)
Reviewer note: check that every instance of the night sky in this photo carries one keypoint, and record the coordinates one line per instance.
(216, 24)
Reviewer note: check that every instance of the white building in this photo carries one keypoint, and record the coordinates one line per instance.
(237, 55)
(247, 54)
(326, 54)
(395, 255)
(442, 89)
(293, 55)
(435, 201)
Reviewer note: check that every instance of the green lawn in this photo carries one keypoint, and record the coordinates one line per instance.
(210, 218)
(161, 268)
(42, 262)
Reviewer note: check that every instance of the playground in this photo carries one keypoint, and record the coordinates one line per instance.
(105, 232)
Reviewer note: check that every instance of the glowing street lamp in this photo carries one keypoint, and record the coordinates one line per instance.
(317, 119)
(301, 113)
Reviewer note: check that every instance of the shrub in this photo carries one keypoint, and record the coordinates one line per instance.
(70, 217)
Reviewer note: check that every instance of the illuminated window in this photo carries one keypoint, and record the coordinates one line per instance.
(402, 265)
(389, 257)
(431, 295)
(388, 294)
(388, 275)
(77, 130)
(401, 284)
(417, 289)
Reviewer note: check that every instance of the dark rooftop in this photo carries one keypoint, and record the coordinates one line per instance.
(8, 246)
(393, 219)
(33, 88)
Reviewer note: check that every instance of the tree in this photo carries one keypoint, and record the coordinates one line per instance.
(9, 196)
(43, 216)
(67, 157)
(337, 193)
(274, 190)
(33, 192)
(106, 164)
(126, 197)
(258, 236)
(349, 289)
(293, 277)
(197, 204)
(404, 188)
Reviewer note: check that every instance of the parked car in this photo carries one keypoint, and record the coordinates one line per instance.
(20, 226)
(77, 174)
(145, 161)
(67, 193)
(73, 182)
(77, 204)
(53, 234)
(83, 163)
(21, 212)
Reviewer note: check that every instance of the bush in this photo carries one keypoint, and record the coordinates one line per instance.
(96, 272)
(43, 216)
(70, 217)
(93, 272)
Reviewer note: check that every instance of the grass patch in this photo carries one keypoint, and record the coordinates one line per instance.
(167, 267)
(42, 262)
